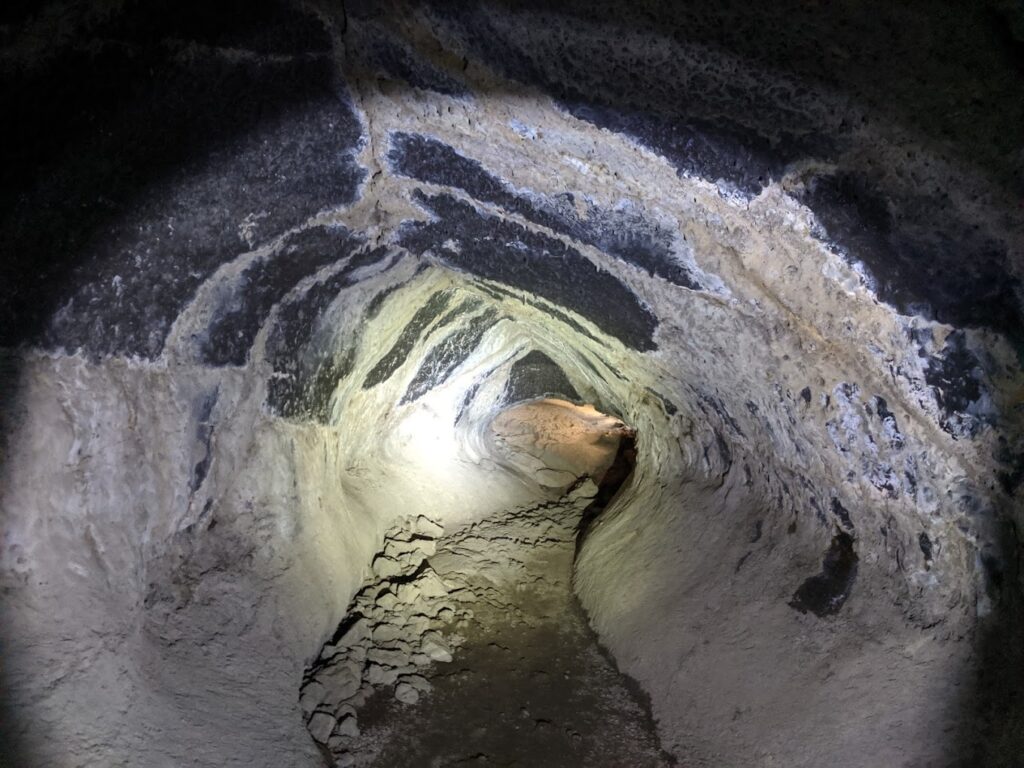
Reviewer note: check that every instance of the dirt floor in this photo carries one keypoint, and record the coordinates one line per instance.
(528, 684)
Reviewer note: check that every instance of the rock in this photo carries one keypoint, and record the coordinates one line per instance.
(476, 545)
(343, 711)
(409, 593)
(427, 546)
(357, 654)
(430, 585)
(387, 600)
(416, 626)
(337, 743)
(586, 490)
(424, 526)
(402, 646)
(406, 694)
(396, 549)
(377, 674)
(436, 648)
(418, 682)
(411, 561)
(359, 697)
(310, 698)
(320, 726)
(385, 567)
(358, 633)
(341, 678)
(446, 615)
(347, 726)
(388, 657)
(386, 633)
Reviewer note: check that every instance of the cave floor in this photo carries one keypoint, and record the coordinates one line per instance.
(528, 684)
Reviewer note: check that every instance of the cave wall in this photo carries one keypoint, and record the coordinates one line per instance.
(272, 271)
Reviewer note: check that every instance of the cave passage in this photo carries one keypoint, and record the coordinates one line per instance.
(470, 647)
(564, 385)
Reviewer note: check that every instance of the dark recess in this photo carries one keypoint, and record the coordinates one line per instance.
(397, 60)
(991, 731)
(954, 374)
(140, 149)
(841, 513)
(609, 485)
(952, 273)
(824, 594)
(536, 375)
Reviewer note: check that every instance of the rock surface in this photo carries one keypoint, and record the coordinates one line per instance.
(507, 661)
(272, 270)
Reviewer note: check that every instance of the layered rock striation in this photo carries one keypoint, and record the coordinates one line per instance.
(273, 274)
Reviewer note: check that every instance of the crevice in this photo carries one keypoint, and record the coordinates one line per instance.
(608, 487)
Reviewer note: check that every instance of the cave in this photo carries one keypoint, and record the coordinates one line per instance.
(416, 384)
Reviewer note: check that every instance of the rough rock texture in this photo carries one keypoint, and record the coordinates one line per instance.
(270, 272)
(476, 634)
(391, 632)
